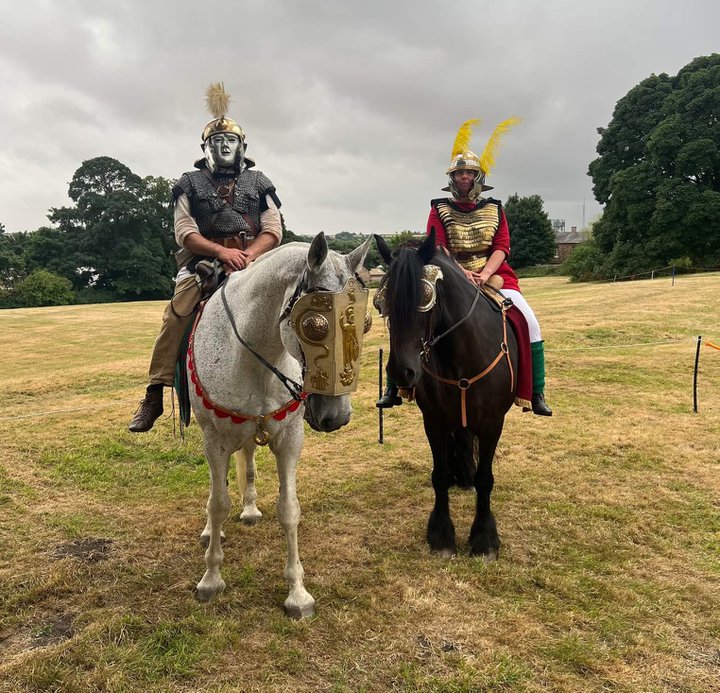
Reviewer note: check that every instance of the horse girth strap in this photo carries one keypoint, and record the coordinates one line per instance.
(463, 384)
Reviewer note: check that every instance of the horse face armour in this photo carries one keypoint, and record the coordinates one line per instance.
(330, 327)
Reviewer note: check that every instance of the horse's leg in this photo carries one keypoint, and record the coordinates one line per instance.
(218, 508)
(286, 448)
(484, 540)
(245, 461)
(205, 534)
(440, 528)
(245, 466)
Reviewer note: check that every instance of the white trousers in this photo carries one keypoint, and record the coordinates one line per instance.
(519, 300)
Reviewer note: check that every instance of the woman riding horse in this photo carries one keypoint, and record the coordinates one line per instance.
(474, 230)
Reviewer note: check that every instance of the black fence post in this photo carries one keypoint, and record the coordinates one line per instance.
(380, 392)
(695, 377)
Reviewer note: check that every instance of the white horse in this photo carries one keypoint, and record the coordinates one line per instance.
(235, 380)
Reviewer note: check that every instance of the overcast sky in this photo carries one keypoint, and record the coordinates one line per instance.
(350, 108)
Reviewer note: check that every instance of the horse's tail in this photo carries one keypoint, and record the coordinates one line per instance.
(461, 457)
(241, 471)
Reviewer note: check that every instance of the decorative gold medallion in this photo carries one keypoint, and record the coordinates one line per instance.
(428, 290)
(315, 327)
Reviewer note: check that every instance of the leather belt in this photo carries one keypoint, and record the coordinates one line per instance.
(241, 241)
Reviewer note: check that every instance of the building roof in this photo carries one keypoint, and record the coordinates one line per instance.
(569, 237)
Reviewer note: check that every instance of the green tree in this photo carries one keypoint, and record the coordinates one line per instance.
(396, 240)
(42, 288)
(345, 241)
(13, 263)
(532, 239)
(120, 230)
(585, 262)
(658, 172)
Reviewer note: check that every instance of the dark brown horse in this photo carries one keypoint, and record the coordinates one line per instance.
(462, 339)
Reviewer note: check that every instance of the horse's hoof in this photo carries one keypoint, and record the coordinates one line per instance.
(489, 556)
(208, 591)
(250, 516)
(298, 611)
(446, 553)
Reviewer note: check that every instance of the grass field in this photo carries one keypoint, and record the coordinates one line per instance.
(609, 513)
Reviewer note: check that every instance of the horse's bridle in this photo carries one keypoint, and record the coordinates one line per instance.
(463, 384)
(294, 388)
(428, 343)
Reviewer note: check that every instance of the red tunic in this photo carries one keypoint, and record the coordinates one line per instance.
(501, 241)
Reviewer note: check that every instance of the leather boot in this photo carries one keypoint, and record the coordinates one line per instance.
(149, 410)
(390, 398)
(539, 405)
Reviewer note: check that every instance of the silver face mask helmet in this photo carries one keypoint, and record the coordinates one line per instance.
(218, 101)
(224, 150)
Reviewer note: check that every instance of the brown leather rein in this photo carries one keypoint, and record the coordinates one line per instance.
(463, 384)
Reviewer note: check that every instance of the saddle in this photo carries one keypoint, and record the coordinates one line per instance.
(210, 277)
(491, 289)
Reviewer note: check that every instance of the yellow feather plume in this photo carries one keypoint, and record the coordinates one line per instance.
(462, 139)
(217, 99)
(487, 160)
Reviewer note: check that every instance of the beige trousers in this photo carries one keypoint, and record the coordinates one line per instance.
(167, 344)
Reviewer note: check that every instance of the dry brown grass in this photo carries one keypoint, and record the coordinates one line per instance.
(608, 577)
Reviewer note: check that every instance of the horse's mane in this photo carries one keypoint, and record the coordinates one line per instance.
(403, 289)
(404, 292)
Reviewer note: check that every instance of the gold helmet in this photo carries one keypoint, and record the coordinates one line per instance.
(465, 160)
(218, 100)
(462, 158)
(222, 125)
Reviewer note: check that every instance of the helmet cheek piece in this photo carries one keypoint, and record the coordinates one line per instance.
(479, 185)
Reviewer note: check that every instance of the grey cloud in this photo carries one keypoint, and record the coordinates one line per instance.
(351, 108)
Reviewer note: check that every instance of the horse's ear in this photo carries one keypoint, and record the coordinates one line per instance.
(427, 249)
(356, 257)
(318, 252)
(383, 249)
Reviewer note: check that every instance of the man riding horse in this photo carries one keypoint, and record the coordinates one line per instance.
(474, 231)
(223, 211)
